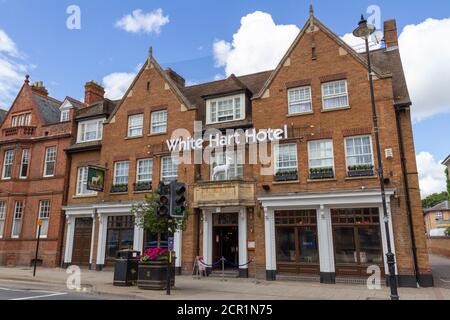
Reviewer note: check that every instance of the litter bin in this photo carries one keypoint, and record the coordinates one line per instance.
(126, 268)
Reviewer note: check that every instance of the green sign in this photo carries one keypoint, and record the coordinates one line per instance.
(96, 179)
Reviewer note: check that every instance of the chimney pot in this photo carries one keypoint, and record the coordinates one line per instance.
(39, 88)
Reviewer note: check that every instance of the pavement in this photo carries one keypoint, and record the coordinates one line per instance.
(52, 284)
(440, 266)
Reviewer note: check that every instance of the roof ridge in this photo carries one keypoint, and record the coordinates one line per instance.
(222, 80)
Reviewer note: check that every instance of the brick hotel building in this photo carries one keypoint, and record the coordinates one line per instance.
(318, 216)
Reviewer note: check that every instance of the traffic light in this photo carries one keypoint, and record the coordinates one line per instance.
(177, 199)
(163, 201)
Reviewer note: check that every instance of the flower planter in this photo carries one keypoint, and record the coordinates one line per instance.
(287, 177)
(152, 275)
(147, 186)
(119, 189)
(360, 173)
(321, 175)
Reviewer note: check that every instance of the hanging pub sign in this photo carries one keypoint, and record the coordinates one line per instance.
(96, 179)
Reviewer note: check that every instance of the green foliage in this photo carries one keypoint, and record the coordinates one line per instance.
(361, 167)
(321, 170)
(448, 182)
(434, 199)
(447, 232)
(147, 218)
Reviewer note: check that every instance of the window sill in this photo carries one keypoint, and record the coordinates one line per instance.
(138, 192)
(359, 178)
(6, 179)
(118, 193)
(48, 177)
(322, 180)
(292, 115)
(135, 137)
(286, 182)
(156, 134)
(81, 196)
(335, 109)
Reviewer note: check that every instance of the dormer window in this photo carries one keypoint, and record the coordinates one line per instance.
(90, 130)
(65, 115)
(225, 109)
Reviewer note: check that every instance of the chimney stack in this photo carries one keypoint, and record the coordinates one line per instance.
(39, 88)
(179, 80)
(93, 92)
(390, 34)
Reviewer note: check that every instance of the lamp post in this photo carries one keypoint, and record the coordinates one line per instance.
(364, 30)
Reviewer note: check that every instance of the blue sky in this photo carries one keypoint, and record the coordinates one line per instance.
(65, 59)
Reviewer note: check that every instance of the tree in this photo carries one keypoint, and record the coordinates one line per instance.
(448, 182)
(434, 199)
(147, 218)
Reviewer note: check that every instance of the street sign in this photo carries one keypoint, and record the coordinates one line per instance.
(170, 243)
(39, 222)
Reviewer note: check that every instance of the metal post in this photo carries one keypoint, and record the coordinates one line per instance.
(37, 249)
(169, 260)
(389, 255)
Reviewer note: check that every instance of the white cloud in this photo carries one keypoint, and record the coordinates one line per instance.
(12, 70)
(258, 45)
(138, 21)
(117, 83)
(425, 51)
(431, 174)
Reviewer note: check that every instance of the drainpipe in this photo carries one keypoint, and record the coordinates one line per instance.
(398, 109)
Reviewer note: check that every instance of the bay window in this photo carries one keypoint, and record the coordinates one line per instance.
(90, 130)
(227, 166)
(300, 100)
(225, 109)
(335, 95)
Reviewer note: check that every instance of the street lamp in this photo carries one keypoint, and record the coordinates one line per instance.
(364, 30)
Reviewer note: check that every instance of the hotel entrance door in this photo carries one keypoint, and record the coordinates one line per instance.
(226, 238)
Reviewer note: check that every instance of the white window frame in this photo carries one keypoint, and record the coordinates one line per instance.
(164, 171)
(65, 115)
(116, 176)
(25, 157)
(334, 96)
(81, 134)
(300, 102)
(158, 126)
(139, 126)
(212, 109)
(2, 217)
(277, 154)
(47, 161)
(139, 173)
(346, 153)
(17, 218)
(82, 179)
(310, 157)
(44, 216)
(8, 161)
(438, 215)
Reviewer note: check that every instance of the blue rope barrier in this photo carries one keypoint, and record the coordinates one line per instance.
(211, 265)
(237, 265)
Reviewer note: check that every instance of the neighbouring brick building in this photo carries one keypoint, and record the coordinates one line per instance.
(437, 219)
(317, 214)
(33, 176)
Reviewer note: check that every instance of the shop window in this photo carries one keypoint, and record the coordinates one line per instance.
(120, 235)
(357, 237)
(297, 241)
